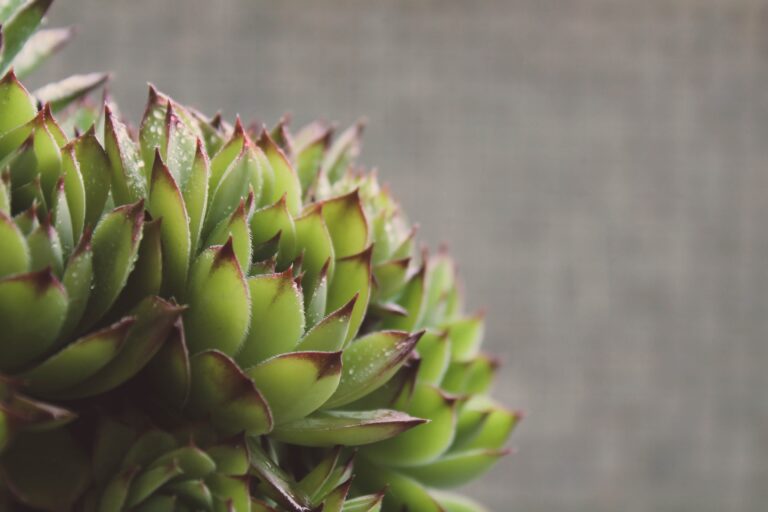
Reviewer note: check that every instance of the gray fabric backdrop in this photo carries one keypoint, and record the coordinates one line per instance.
(600, 170)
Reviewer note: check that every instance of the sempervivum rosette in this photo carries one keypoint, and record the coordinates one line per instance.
(199, 316)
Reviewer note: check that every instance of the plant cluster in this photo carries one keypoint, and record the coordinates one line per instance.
(198, 316)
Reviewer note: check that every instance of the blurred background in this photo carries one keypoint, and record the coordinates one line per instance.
(600, 170)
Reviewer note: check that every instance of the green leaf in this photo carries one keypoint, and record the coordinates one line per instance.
(47, 157)
(316, 300)
(412, 300)
(39, 47)
(170, 371)
(314, 481)
(370, 362)
(236, 227)
(276, 480)
(95, 168)
(153, 134)
(470, 377)
(456, 469)
(63, 93)
(166, 202)
(231, 492)
(46, 470)
(221, 391)
(32, 310)
(234, 185)
(115, 248)
(403, 492)
(334, 502)
(219, 302)
(231, 457)
(62, 219)
(154, 320)
(18, 105)
(193, 461)
(19, 28)
(74, 189)
(268, 222)
(466, 336)
(313, 239)
(342, 153)
(348, 428)
(367, 503)
(298, 383)
(390, 278)
(193, 493)
(129, 179)
(147, 274)
(456, 503)
(181, 145)
(45, 248)
(195, 195)
(435, 351)
(227, 155)
(424, 443)
(310, 145)
(491, 433)
(331, 332)
(352, 277)
(150, 480)
(286, 182)
(116, 491)
(277, 318)
(77, 280)
(346, 223)
(78, 360)
(14, 258)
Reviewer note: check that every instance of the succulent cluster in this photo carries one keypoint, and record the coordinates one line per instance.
(200, 316)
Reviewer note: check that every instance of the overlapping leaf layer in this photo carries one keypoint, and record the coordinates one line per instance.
(197, 316)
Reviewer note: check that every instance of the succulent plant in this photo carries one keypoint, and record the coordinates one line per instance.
(200, 316)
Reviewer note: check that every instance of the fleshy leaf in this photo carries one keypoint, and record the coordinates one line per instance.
(14, 258)
(277, 318)
(341, 154)
(129, 179)
(39, 47)
(115, 247)
(170, 370)
(346, 223)
(331, 332)
(269, 221)
(221, 391)
(348, 428)
(456, 469)
(352, 277)
(20, 28)
(219, 302)
(78, 360)
(298, 383)
(166, 202)
(370, 362)
(18, 105)
(77, 280)
(403, 492)
(154, 321)
(286, 182)
(424, 443)
(313, 239)
(94, 167)
(32, 310)
(64, 92)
